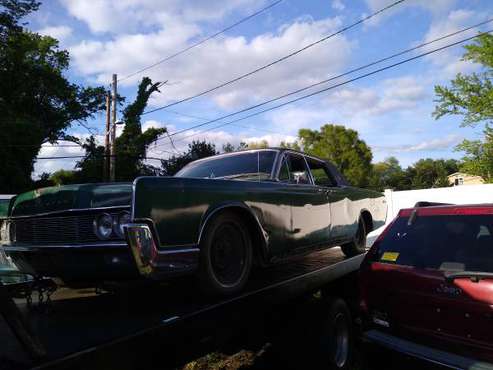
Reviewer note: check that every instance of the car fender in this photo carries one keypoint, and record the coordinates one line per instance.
(217, 208)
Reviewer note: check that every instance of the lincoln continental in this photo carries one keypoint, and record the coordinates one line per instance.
(216, 218)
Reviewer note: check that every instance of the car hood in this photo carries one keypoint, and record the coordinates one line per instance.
(67, 197)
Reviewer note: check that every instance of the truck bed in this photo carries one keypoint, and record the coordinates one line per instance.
(82, 326)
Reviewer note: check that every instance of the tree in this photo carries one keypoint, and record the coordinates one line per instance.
(37, 102)
(196, 150)
(389, 175)
(61, 177)
(294, 145)
(478, 159)
(343, 147)
(131, 145)
(430, 173)
(229, 148)
(471, 96)
(258, 144)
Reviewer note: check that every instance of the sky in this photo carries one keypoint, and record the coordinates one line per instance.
(391, 110)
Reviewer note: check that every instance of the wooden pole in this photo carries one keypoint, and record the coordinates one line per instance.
(106, 162)
(113, 132)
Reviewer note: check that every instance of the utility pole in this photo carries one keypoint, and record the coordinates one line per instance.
(106, 163)
(113, 132)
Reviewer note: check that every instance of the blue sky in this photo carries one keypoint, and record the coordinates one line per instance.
(391, 110)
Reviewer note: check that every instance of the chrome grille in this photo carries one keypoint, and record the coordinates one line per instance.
(54, 230)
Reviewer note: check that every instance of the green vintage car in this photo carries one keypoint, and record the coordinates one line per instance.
(216, 218)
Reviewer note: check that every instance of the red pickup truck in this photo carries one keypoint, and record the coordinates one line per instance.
(427, 286)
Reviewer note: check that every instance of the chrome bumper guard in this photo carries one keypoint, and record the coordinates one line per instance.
(152, 262)
(139, 238)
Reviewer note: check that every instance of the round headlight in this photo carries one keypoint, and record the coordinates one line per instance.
(123, 218)
(103, 226)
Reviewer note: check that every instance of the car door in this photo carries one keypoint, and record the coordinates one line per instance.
(310, 212)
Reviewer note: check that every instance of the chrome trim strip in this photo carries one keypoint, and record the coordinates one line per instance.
(423, 352)
(66, 210)
(132, 205)
(20, 248)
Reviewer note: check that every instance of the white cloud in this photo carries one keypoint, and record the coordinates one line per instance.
(438, 144)
(449, 61)
(338, 5)
(61, 33)
(52, 165)
(391, 95)
(436, 7)
(219, 60)
(127, 16)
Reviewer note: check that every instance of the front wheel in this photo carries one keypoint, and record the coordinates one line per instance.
(225, 256)
(358, 245)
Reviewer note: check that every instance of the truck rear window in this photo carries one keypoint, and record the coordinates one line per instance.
(441, 242)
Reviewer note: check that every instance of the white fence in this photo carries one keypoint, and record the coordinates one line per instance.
(466, 194)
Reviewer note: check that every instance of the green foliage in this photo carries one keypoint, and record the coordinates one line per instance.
(389, 175)
(430, 173)
(343, 147)
(295, 145)
(90, 168)
(263, 144)
(478, 159)
(62, 177)
(470, 96)
(37, 102)
(229, 148)
(132, 144)
(196, 150)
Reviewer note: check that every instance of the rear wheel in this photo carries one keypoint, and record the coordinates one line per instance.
(337, 338)
(225, 255)
(358, 245)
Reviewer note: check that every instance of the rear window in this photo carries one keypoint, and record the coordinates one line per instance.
(448, 243)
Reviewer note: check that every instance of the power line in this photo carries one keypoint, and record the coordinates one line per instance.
(331, 78)
(87, 156)
(341, 83)
(277, 60)
(200, 42)
(208, 120)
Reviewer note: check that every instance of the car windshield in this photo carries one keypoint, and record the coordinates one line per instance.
(441, 242)
(247, 165)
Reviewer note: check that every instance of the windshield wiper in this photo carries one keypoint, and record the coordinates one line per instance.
(474, 275)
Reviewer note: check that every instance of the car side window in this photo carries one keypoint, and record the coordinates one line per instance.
(320, 173)
(299, 173)
(284, 171)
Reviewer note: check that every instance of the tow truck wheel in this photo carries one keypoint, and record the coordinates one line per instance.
(358, 245)
(337, 337)
(225, 255)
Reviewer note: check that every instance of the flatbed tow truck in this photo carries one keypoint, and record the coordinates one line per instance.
(159, 327)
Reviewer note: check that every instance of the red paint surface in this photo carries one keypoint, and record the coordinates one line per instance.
(421, 305)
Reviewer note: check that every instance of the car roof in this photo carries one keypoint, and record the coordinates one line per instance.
(278, 149)
(449, 210)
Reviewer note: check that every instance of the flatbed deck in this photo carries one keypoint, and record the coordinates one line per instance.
(85, 328)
